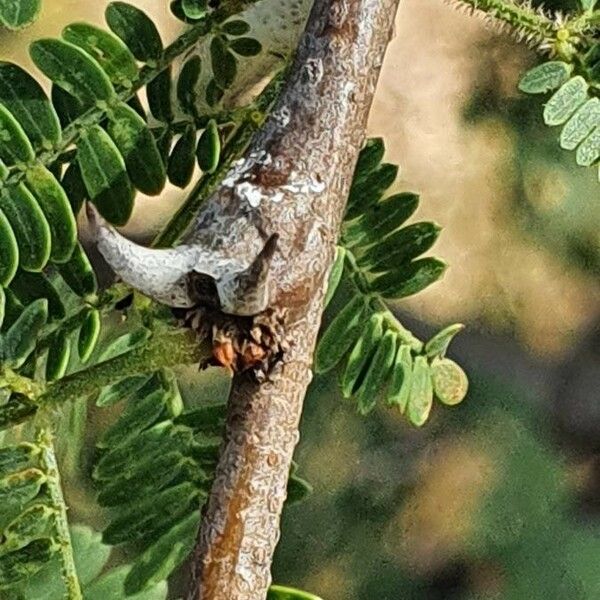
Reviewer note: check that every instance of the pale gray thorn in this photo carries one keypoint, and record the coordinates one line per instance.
(246, 293)
(157, 273)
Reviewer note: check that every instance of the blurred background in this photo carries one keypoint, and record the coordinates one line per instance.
(499, 497)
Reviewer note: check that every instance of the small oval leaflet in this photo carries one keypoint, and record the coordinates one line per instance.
(245, 46)
(53, 201)
(378, 373)
(19, 488)
(439, 343)
(79, 274)
(29, 104)
(158, 92)
(58, 356)
(398, 392)
(72, 69)
(409, 279)
(450, 383)
(589, 150)
(136, 29)
(111, 53)
(361, 355)
(15, 146)
(29, 224)
(9, 251)
(208, 151)
(105, 175)
(186, 84)
(581, 124)
(235, 27)
(34, 522)
(545, 77)
(421, 392)
(340, 335)
(569, 97)
(88, 335)
(335, 274)
(194, 9)
(16, 458)
(223, 62)
(183, 158)
(137, 145)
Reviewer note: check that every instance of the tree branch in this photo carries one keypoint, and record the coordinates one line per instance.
(294, 182)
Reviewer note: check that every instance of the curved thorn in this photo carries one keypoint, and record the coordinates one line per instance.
(160, 274)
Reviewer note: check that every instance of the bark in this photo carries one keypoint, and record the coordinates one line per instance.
(293, 182)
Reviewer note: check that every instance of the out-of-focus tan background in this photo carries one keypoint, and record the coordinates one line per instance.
(500, 497)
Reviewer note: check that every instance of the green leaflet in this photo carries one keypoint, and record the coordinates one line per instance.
(158, 92)
(59, 353)
(162, 557)
(208, 151)
(187, 82)
(136, 29)
(581, 124)
(20, 340)
(140, 413)
(421, 392)
(223, 62)
(361, 355)
(16, 458)
(450, 383)
(33, 523)
(409, 279)
(156, 441)
(208, 419)
(382, 219)
(213, 94)
(245, 46)
(108, 50)
(235, 27)
(15, 146)
(297, 488)
(79, 274)
(29, 224)
(589, 150)
(400, 247)
(183, 158)
(340, 335)
(88, 335)
(54, 203)
(173, 400)
(136, 143)
(279, 592)
(9, 251)
(28, 287)
(28, 103)
(67, 107)
(545, 77)
(369, 157)
(20, 564)
(124, 343)
(439, 343)
(17, 14)
(398, 391)
(105, 176)
(121, 390)
(335, 274)
(194, 9)
(569, 97)
(152, 516)
(72, 69)
(17, 489)
(148, 478)
(377, 374)
(365, 192)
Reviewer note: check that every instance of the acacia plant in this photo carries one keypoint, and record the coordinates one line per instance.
(288, 201)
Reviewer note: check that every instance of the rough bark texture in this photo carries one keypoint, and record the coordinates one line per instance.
(294, 182)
